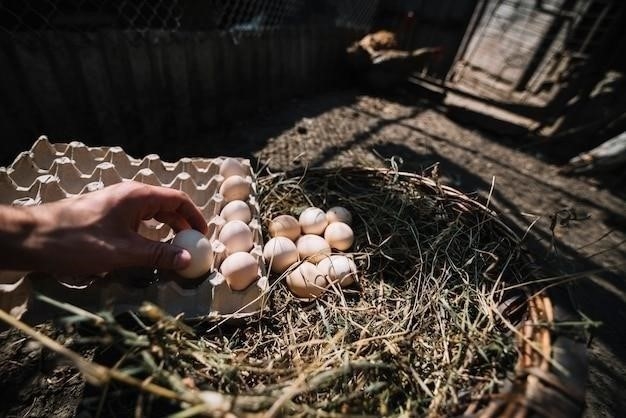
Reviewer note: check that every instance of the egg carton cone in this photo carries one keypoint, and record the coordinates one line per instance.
(53, 171)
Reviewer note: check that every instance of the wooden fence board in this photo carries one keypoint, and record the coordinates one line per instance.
(8, 146)
(40, 83)
(143, 91)
(71, 122)
(98, 86)
(263, 72)
(239, 88)
(71, 84)
(316, 52)
(290, 62)
(305, 54)
(141, 71)
(193, 81)
(206, 79)
(161, 99)
(122, 88)
(175, 69)
(295, 61)
(276, 67)
(249, 88)
(223, 76)
(21, 110)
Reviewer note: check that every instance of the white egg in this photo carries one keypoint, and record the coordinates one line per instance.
(237, 210)
(279, 253)
(312, 247)
(232, 167)
(240, 270)
(338, 214)
(306, 281)
(338, 269)
(235, 188)
(339, 236)
(284, 226)
(313, 221)
(200, 249)
(237, 236)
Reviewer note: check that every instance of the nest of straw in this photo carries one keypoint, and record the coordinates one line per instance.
(433, 325)
(444, 319)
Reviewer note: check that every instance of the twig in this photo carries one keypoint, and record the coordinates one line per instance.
(95, 374)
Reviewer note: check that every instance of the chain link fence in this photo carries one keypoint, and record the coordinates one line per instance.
(41, 15)
(358, 14)
(254, 15)
(235, 16)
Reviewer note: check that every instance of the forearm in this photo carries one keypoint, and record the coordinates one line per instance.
(20, 238)
(96, 232)
(66, 237)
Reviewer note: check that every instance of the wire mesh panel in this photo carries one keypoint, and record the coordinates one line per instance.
(236, 16)
(357, 14)
(254, 15)
(18, 16)
(522, 50)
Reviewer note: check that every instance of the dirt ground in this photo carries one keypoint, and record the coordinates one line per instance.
(345, 128)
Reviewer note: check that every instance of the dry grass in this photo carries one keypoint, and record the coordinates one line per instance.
(422, 333)
(419, 333)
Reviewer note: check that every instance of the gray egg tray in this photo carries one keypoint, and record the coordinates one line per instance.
(50, 172)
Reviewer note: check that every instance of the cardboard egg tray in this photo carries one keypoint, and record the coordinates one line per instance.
(50, 172)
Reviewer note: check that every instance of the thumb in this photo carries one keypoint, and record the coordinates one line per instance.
(160, 255)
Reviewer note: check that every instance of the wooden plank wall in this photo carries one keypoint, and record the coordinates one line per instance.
(158, 90)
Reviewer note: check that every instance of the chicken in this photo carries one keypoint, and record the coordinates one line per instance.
(360, 53)
(377, 41)
(378, 63)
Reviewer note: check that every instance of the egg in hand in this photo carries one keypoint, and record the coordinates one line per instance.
(200, 249)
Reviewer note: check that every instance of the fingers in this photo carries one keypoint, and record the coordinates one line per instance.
(192, 214)
(167, 205)
(174, 220)
(148, 253)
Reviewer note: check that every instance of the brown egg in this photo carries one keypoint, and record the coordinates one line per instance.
(279, 253)
(339, 236)
(285, 226)
(338, 269)
(237, 236)
(235, 188)
(236, 210)
(312, 247)
(338, 214)
(240, 270)
(306, 281)
(313, 221)
(232, 167)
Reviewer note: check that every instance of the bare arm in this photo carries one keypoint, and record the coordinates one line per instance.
(96, 232)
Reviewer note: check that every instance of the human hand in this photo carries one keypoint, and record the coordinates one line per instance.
(97, 232)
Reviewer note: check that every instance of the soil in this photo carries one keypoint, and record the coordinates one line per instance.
(36, 382)
(348, 128)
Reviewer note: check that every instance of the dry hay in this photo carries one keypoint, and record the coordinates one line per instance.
(421, 333)
(430, 328)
